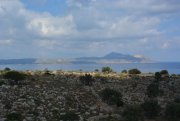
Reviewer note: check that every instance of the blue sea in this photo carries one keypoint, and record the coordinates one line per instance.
(173, 67)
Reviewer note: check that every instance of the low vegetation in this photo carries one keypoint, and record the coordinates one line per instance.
(164, 72)
(96, 96)
(133, 113)
(172, 111)
(106, 69)
(14, 117)
(151, 109)
(134, 71)
(86, 79)
(111, 97)
(15, 76)
(69, 116)
(158, 76)
(124, 71)
(153, 90)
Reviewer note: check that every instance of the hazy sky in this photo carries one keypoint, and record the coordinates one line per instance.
(73, 28)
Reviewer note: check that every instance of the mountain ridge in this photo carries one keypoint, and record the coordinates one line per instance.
(112, 57)
(115, 57)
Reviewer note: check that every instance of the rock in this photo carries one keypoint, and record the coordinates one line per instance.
(87, 113)
(94, 112)
(2, 119)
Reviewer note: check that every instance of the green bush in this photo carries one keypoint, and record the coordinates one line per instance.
(133, 113)
(124, 71)
(86, 79)
(111, 97)
(134, 71)
(96, 70)
(110, 118)
(15, 76)
(164, 72)
(7, 69)
(2, 82)
(177, 100)
(157, 76)
(69, 116)
(153, 90)
(107, 69)
(100, 78)
(172, 112)
(47, 72)
(14, 117)
(151, 109)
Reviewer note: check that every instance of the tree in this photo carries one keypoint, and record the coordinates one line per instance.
(106, 69)
(172, 112)
(164, 72)
(151, 108)
(86, 79)
(96, 70)
(134, 71)
(111, 97)
(7, 69)
(15, 76)
(124, 71)
(133, 113)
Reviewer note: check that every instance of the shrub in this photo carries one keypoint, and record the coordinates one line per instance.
(14, 117)
(124, 71)
(111, 97)
(158, 76)
(172, 112)
(110, 118)
(164, 72)
(86, 79)
(134, 71)
(47, 72)
(133, 113)
(177, 99)
(100, 78)
(15, 76)
(151, 109)
(173, 75)
(69, 116)
(7, 69)
(2, 82)
(96, 70)
(153, 90)
(106, 69)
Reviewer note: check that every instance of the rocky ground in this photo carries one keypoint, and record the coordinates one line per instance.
(49, 97)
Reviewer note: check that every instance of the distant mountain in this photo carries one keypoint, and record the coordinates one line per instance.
(112, 57)
(18, 61)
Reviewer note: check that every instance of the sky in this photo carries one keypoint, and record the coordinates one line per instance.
(75, 28)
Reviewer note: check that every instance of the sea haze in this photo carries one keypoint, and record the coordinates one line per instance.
(172, 67)
(117, 61)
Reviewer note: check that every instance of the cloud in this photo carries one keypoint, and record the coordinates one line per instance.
(52, 26)
(90, 26)
(128, 27)
(79, 3)
(149, 7)
(6, 42)
(165, 45)
(48, 44)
